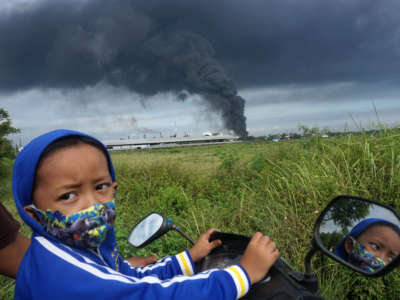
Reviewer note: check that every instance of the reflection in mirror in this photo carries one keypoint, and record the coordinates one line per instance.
(145, 229)
(362, 233)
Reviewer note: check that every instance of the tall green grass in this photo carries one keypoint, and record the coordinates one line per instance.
(276, 188)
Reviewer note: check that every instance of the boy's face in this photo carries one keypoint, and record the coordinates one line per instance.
(73, 179)
(381, 241)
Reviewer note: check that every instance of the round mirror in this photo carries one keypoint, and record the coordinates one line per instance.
(146, 230)
(359, 232)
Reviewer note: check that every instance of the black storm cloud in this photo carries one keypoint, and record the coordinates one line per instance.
(203, 47)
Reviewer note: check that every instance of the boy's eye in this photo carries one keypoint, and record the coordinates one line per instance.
(374, 246)
(102, 186)
(392, 256)
(67, 196)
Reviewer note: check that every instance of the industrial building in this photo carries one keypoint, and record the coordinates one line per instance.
(131, 144)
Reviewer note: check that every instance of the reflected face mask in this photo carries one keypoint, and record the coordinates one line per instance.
(87, 228)
(361, 257)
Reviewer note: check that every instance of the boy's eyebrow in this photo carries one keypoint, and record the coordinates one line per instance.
(68, 186)
(75, 185)
(103, 178)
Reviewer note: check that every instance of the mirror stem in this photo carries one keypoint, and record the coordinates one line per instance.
(307, 261)
(309, 279)
(180, 231)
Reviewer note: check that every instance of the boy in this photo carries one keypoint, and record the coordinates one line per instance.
(371, 244)
(13, 246)
(64, 185)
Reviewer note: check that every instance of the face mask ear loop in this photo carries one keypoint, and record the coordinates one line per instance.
(32, 210)
(355, 243)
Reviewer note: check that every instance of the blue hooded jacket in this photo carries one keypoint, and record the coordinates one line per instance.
(51, 269)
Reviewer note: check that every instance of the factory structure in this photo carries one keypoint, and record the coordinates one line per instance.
(169, 142)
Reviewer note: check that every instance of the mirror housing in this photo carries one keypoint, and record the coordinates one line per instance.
(148, 229)
(348, 222)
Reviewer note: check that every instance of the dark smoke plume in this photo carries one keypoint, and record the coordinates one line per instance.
(68, 44)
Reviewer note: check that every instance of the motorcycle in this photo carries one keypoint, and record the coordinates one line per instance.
(339, 230)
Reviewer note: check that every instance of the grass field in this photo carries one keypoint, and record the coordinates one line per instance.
(276, 188)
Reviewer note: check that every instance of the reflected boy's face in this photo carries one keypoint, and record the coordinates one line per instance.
(72, 179)
(381, 241)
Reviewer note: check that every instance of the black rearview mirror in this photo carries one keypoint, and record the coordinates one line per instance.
(361, 234)
(148, 229)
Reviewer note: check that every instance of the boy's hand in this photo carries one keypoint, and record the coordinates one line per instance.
(142, 261)
(260, 254)
(203, 246)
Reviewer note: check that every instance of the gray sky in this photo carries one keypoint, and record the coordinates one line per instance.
(128, 68)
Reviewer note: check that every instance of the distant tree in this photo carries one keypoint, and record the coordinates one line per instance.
(346, 212)
(331, 240)
(296, 135)
(315, 130)
(6, 148)
(326, 130)
(282, 135)
(305, 130)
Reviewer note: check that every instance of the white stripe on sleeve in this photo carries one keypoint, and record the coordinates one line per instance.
(161, 263)
(89, 266)
(241, 281)
(185, 263)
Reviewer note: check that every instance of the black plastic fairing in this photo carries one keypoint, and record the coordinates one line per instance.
(278, 284)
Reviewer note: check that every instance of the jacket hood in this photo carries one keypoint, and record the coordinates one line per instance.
(25, 168)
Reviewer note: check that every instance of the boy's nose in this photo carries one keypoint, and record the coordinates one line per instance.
(383, 256)
(91, 199)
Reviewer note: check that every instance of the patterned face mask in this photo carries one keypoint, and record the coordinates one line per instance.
(86, 229)
(361, 257)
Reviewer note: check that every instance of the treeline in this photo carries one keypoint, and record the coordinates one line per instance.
(7, 151)
(309, 132)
